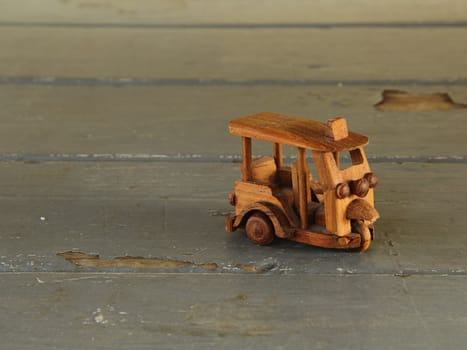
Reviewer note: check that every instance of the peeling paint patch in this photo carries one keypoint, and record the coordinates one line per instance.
(396, 100)
(265, 266)
(88, 260)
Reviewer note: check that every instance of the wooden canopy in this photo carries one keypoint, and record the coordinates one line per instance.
(294, 131)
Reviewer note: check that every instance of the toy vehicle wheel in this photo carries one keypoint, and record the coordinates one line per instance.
(259, 229)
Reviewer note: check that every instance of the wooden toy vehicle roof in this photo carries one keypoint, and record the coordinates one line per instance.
(294, 131)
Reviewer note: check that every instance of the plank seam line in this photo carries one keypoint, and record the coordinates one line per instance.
(155, 273)
(122, 82)
(200, 158)
(256, 26)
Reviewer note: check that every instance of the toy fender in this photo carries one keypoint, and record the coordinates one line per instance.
(277, 217)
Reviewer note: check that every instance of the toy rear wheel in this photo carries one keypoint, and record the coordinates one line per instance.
(259, 229)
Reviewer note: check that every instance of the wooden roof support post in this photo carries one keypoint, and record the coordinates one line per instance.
(302, 190)
(336, 158)
(246, 158)
(278, 155)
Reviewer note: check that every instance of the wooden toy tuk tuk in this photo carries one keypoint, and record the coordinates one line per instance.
(274, 199)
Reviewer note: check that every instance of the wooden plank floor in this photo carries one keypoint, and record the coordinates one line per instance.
(114, 141)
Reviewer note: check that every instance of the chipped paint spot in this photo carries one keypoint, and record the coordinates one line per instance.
(99, 317)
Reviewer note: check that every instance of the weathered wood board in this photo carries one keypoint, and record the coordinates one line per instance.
(240, 54)
(121, 311)
(151, 121)
(224, 11)
(118, 209)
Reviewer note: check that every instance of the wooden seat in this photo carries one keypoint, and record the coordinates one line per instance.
(264, 170)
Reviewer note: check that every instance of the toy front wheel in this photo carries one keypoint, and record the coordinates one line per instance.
(259, 229)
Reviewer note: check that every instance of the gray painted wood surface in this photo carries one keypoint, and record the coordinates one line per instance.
(168, 121)
(180, 311)
(240, 54)
(224, 11)
(114, 141)
(176, 211)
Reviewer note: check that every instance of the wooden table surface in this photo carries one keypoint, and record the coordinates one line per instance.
(114, 141)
